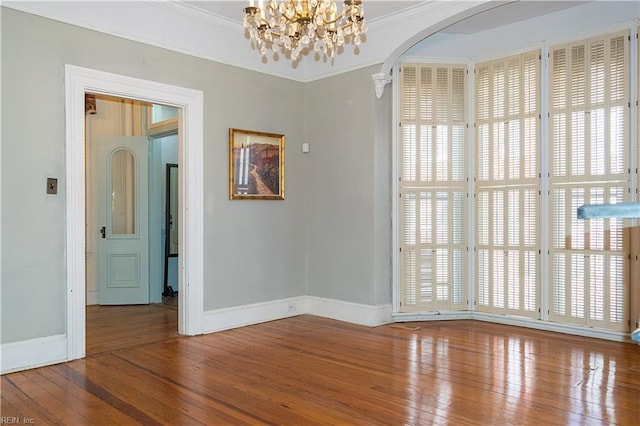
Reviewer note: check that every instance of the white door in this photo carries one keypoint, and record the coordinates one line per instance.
(123, 270)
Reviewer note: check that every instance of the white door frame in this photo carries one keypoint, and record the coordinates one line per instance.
(78, 81)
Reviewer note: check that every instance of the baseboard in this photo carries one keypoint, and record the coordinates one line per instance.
(240, 316)
(432, 316)
(355, 313)
(92, 297)
(514, 320)
(33, 353)
(575, 330)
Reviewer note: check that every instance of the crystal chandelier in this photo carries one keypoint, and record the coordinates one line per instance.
(298, 26)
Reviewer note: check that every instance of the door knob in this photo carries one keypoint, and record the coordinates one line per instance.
(103, 231)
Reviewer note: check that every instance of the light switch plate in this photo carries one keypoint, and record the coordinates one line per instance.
(52, 186)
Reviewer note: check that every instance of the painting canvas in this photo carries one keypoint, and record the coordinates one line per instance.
(256, 165)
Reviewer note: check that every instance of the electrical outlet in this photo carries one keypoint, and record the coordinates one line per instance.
(52, 186)
(291, 307)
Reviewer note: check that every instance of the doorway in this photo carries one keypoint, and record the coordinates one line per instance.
(128, 145)
(80, 81)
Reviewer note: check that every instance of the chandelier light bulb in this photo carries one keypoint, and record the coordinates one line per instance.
(301, 26)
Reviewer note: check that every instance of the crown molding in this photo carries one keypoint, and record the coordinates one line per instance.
(405, 14)
(182, 8)
(212, 37)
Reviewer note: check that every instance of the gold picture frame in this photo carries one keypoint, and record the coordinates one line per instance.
(256, 165)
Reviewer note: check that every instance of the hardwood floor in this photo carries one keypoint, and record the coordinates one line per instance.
(310, 370)
(118, 327)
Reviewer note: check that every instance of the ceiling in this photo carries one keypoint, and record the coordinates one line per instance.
(376, 11)
(232, 10)
(213, 29)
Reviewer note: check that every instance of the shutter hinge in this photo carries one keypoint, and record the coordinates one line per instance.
(629, 36)
(400, 195)
(399, 178)
(539, 311)
(400, 249)
(399, 124)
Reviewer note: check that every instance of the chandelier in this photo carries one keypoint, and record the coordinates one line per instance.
(298, 26)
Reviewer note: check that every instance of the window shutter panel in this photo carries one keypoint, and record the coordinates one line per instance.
(588, 128)
(507, 198)
(432, 207)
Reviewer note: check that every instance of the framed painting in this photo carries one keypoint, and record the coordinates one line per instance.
(256, 165)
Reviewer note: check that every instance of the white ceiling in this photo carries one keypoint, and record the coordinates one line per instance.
(213, 29)
(506, 12)
(232, 10)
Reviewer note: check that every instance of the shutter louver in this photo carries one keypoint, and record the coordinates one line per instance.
(588, 127)
(432, 206)
(507, 169)
(587, 281)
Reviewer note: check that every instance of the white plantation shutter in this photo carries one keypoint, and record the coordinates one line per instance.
(432, 187)
(507, 184)
(591, 268)
(634, 279)
(589, 83)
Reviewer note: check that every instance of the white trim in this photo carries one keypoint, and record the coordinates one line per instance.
(240, 316)
(395, 190)
(191, 276)
(39, 352)
(515, 321)
(92, 297)
(552, 326)
(355, 313)
(379, 81)
(193, 12)
(33, 353)
(432, 316)
(445, 16)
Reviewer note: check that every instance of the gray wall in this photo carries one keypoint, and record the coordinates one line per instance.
(348, 192)
(253, 249)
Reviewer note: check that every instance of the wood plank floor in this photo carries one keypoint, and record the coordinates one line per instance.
(309, 370)
(117, 327)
